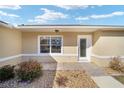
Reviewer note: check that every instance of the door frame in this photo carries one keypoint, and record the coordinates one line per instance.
(88, 48)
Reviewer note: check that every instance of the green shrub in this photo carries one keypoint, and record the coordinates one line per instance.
(122, 67)
(27, 71)
(6, 72)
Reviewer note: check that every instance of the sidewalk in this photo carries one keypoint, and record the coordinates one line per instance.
(93, 70)
(100, 77)
(107, 82)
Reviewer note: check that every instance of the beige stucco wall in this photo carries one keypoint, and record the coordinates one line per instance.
(10, 42)
(107, 44)
(30, 41)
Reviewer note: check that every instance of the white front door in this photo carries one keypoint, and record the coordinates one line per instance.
(84, 48)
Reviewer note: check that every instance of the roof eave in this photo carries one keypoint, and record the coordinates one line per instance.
(4, 24)
(69, 26)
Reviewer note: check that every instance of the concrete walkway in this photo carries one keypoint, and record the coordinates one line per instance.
(90, 68)
(107, 82)
(69, 66)
(49, 65)
(93, 70)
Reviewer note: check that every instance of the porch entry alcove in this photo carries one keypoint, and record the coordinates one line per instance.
(61, 43)
(52, 45)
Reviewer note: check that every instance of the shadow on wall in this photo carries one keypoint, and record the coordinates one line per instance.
(96, 36)
(108, 43)
(106, 33)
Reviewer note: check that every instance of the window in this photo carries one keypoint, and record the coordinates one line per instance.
(83, 47)
(56, 44)
(50, 44)
(44, 45)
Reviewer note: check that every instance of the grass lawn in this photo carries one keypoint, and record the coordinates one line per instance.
(120, 78)
(73, 79)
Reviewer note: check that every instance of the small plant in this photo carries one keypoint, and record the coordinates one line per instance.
(27, 71)
(61, 80)
(122, 67)
(6, 72)
(115, 63)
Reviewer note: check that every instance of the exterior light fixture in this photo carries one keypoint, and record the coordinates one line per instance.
(56, 30)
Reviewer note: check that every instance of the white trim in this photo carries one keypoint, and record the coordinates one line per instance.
(38, 45)
(6, 25)
(88, 50)
(69, 26)
(10, 57)
(28, 55)
(49, 55)
(50, 45)
(104, 57)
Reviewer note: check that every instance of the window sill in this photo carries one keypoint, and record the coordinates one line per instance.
(50, 54)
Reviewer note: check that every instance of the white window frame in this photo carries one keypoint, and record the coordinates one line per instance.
(50, 44)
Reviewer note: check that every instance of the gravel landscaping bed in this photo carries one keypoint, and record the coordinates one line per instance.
(45, 81)
(74, 79)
